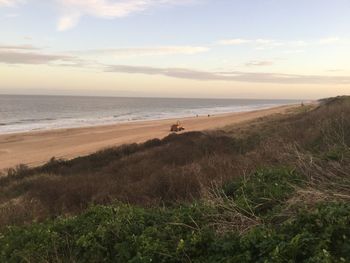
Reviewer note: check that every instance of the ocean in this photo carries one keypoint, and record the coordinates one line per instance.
(20, 113)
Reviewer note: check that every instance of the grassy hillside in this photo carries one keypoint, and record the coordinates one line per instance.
(275, 190)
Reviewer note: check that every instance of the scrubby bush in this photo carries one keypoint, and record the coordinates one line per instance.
(121, 233)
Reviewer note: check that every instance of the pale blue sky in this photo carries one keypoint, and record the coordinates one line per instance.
(194, 48)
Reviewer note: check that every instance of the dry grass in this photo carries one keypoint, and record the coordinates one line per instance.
(230, 216)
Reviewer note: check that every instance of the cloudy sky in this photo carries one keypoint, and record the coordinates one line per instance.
(176, 48)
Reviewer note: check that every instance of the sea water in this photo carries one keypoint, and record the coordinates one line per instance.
(20, 113)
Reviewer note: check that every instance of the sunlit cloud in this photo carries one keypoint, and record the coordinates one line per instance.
(73, 10)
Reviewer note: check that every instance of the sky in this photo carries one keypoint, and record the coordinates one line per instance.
(291, 49)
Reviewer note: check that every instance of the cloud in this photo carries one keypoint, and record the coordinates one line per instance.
(263, 44)
(16, 57)
(293, 51)
(250, 77)
(12, 15)
(10, 3)
(299, 43)
(28, 54)
(329, 40)
(235, 41)
(255, 63)
(75, 9)
(265, 41)
(240, 41)
(18, 47)
(335, 70)
(31, 55)
(259, 44)
(146, 51)
(68, 21)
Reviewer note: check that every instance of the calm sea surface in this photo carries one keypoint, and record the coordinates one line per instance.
(28, 113)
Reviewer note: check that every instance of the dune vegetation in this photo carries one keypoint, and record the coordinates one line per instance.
(273, 190)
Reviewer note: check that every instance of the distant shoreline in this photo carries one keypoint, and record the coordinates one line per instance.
(112, 123)
(37, 147)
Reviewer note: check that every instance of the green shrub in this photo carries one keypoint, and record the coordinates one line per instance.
(264, 189)
(123, 233)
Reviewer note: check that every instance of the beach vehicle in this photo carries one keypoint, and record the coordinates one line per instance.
(176, 127)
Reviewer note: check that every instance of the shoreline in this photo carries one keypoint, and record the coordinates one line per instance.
(37, 147)
(99, 123)
(170, 118)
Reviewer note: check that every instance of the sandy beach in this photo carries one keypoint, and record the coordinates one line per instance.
(35, 148)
